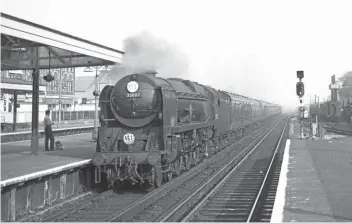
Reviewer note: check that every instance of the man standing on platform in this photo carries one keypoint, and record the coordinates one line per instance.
(48, 131)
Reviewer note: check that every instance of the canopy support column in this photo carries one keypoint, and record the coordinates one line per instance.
(35, 105)
(14, 112)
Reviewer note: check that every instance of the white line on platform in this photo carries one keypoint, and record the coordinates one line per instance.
(56, 137)
(43, 173)
(278, 210)
(54, 130)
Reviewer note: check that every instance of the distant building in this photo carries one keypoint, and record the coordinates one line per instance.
(16, 82)
(20, 82)
(84, 93)
(85, 99)
(74, 97)
(64, 75)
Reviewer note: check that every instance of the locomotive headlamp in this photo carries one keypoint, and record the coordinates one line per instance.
(104, 147)
(99, 159)
(152, 158)
(132, 86)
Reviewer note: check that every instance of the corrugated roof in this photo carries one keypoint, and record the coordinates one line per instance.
(56, 31)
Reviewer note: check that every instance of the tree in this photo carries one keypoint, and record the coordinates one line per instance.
(345, 77)
(346, 80)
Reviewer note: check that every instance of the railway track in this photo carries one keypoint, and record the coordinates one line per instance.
(129, 204)
(172, 205)
(332, 128)
(245, 193)
(337, 130)
(90, 207)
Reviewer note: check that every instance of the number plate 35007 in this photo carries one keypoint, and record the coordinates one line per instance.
(133, 95)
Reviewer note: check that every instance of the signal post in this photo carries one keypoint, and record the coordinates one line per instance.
(300, 94)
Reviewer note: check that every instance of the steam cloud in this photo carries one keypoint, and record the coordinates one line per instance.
(145, 52)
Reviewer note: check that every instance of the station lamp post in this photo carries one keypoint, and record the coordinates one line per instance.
(96, 95)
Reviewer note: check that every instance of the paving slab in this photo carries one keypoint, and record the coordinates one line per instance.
(77, 146)
(16, 159)
(319, 179)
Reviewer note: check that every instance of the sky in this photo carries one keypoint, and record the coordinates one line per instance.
(253, 48)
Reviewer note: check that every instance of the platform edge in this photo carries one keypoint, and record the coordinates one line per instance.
(43, 173)
(278, 209)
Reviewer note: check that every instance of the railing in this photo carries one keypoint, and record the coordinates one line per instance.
(73, 115)
(26, 135)
(24, 119)
(26, 116)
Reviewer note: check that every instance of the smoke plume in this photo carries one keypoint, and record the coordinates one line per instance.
(145, 52)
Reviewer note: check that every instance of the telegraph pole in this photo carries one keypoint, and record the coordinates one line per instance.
(300, 94)
(96, 98)
(60, 93)
(96, 94)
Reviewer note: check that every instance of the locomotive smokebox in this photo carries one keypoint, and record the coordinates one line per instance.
(136, 99)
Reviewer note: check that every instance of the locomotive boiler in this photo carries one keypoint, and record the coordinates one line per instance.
(152, 128)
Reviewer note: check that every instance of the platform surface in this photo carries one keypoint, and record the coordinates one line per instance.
(318, 180)
(70, 142)
(17, 161)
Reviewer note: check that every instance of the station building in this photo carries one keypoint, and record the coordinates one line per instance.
(14, 81)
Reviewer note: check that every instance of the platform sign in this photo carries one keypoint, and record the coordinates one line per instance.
(334, 86)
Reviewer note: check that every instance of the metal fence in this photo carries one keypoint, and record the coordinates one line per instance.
(26, 116)
(73, 115)
(24, 119)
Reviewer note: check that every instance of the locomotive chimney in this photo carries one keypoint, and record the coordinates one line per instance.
(148, 73)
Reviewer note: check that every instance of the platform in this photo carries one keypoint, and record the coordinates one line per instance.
(316, 180)
(16, 159)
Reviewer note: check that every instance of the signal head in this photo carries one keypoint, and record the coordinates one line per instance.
(300, 89)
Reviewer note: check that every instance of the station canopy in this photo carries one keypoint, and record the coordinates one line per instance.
(21, 38)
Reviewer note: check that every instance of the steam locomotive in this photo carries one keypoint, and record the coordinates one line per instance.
(152, 128)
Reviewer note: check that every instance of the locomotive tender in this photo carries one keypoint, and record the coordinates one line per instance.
(151, 127)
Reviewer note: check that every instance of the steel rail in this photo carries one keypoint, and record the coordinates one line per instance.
(266, 175)
(334, 129)
(166, 187)
(215, 175)
(64, 213)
